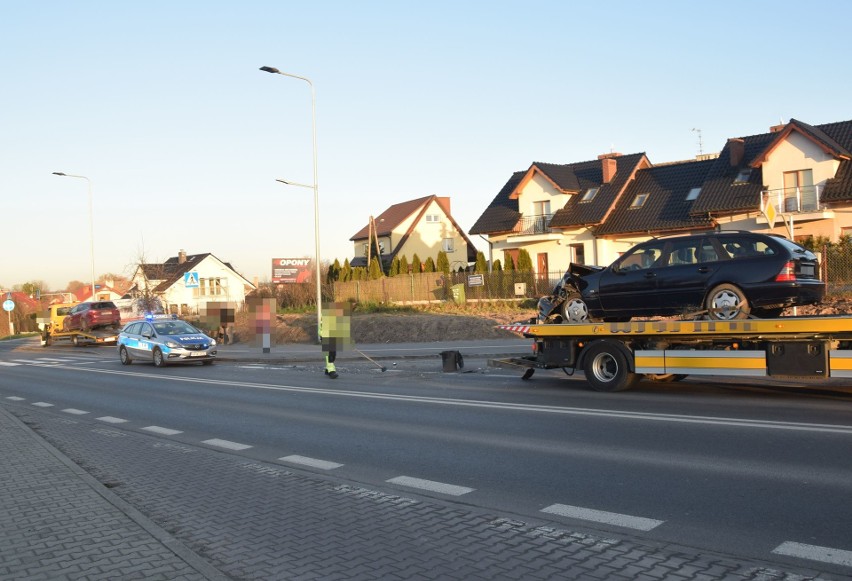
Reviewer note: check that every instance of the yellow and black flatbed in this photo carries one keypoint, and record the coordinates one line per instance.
(614, 356)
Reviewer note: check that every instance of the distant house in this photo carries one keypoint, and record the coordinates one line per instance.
(423, 226)
(185, 283)
(106, 290)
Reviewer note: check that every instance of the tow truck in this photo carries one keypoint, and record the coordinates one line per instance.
(614, 356)
(50, 326)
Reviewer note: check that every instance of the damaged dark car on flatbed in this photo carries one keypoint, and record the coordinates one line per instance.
(714, 275)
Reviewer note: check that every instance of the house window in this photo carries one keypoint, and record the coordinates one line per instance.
(541, 208)
(590, 195)
(743, 176)
(578, 253)
(208, 287)
(448, 245)
(799, 191)
(693, 194)
(433, 218)
(639, 200)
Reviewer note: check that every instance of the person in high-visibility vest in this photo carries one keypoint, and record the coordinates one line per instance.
(334, 334)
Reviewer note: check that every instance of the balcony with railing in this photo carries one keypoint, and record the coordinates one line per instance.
(799, 200)
(532, 225)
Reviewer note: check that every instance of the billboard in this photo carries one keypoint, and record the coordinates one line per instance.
(291, 270)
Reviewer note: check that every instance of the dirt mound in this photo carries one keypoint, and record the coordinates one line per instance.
(395, 328)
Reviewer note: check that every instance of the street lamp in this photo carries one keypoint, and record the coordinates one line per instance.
(91, 224)
(315, 186)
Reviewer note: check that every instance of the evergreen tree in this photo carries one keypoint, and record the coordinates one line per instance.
(394, 266)
(510, 263)
(416, 265)
(443, 263)
(403, 265)
(346, 271)
(497, 266)
(375, 269)
(333, 272)
(524, 261)
(481, 265)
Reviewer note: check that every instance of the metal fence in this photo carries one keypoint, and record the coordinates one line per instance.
(836, 264)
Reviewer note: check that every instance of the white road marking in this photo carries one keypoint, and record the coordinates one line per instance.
(312, 462)
(226, 444)
(164, 431)
(561, 410)
(15, 398)
(9, 363)
(815, 553)
(111, 420)
(431, 485)
(43, 404)
(75, 412)
(602, 516)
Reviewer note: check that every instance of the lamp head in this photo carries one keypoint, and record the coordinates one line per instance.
(58, 173)
(270, 69)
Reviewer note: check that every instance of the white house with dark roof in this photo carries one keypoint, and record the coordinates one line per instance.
(550, 210)
(187, 282)
(804, 172)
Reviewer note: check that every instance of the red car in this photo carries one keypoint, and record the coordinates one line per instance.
(91, 315)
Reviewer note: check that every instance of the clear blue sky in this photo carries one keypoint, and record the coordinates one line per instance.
(161, 104)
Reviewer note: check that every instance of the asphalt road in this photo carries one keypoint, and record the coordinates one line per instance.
(739, 469)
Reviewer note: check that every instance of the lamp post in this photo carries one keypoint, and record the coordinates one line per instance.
(315, 185)
(91, 223)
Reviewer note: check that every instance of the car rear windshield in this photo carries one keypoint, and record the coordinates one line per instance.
(104, 305)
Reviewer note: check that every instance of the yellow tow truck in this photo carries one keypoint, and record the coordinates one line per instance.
(614, 356)
(50, 324)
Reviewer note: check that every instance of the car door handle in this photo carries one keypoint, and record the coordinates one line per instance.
(650, 274)
(703, 269)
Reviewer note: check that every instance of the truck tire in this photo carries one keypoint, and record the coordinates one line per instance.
(574, 309)
(124, 356)
(726, 302)
(75, 340)
(606, 368)
(159, 361)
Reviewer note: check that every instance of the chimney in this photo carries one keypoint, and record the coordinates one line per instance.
(181, 256)
(609, 166)
(777, 128)
(737, 149)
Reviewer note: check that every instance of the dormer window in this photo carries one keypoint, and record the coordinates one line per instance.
(743, 176)
(590, 195)
(693, 194)
(639, 200)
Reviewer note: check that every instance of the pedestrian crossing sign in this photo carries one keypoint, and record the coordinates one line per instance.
(190, 279)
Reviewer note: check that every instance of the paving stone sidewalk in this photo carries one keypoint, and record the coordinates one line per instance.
(257, 520)
(57, 522)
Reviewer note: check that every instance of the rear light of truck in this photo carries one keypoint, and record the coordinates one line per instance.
(787, 273)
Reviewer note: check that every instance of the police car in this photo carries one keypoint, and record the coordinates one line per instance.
(164, 339)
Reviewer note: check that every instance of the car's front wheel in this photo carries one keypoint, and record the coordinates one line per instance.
(574, 309)
(159, 361)
(726, 302)
(124, 356)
